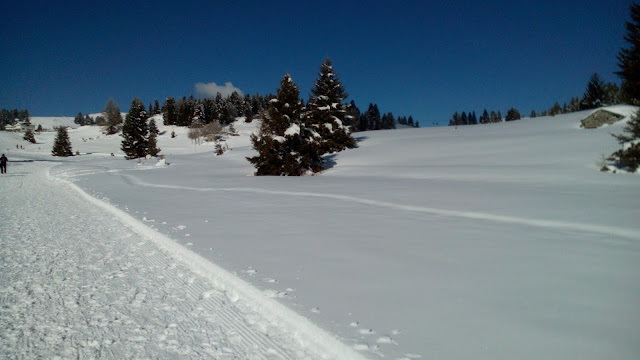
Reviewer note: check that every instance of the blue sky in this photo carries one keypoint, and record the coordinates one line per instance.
(422, 58)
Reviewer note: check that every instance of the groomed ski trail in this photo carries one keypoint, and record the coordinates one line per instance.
(80, 278)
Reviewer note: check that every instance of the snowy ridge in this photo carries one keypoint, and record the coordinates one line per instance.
(238, 291)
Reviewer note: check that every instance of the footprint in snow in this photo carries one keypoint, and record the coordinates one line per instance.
(315, 310)
(386, 340)
(270, 280)
(366, 331)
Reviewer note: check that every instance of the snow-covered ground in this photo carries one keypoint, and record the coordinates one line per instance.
(495, 241)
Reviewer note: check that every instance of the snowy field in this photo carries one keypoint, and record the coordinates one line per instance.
(497, 241)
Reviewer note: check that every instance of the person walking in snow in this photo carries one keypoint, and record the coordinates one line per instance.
(3, 164)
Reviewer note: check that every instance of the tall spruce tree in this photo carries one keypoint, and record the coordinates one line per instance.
(135, 130)
(62, 144)
(326, 111)
(114, 118)
(372, 117)
(285, 145)
(484, 118)
(79, 119)
(152, 140)
(594, 97)
(169, 111)
(629, 58)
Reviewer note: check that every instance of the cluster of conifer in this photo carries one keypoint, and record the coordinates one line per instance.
(139, 138)
(373, 120)
(293, 137)
(221, 109)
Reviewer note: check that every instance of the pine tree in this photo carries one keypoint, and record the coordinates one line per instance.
(629, 58)
(455, 119)
(199, 116)
(79, 119)
(114, 118)
(388, 121)
(156, 107)
(285, 145)
(326, 112)
(611, 94)
(484, 118)
(494, 118)
(185, 112)
(29, 136)
(353, 115)
(152, 140)
(372, 118)
(62, 144)
(574, 105)
(135, 130)
(594, 96)
(169, 111)
(533, 114)
(512, 114)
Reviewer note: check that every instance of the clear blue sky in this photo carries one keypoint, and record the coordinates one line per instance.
(421, 58)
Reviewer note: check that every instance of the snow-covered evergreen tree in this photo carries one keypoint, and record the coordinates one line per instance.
(135, 130)
(62, 144)
(152, 140)
(326, 111)
(28, 136)
(594, 97)
(285, 145)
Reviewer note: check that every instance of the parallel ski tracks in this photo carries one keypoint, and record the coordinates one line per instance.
(83, 285)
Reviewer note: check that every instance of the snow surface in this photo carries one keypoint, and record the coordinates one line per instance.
(494, 241)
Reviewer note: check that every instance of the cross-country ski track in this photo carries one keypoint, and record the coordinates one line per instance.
(83, 279)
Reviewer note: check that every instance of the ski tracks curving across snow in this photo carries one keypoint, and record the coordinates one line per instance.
(542, 223)
(81, 279)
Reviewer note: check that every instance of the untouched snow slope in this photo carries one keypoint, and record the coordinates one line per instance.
(495, 241)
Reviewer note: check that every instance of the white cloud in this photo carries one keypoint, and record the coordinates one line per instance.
(212, 89)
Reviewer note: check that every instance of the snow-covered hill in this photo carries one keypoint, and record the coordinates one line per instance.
(486, 241)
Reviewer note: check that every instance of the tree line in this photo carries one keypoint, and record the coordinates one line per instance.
(597, 94)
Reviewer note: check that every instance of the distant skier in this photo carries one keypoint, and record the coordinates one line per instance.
(3, 164)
